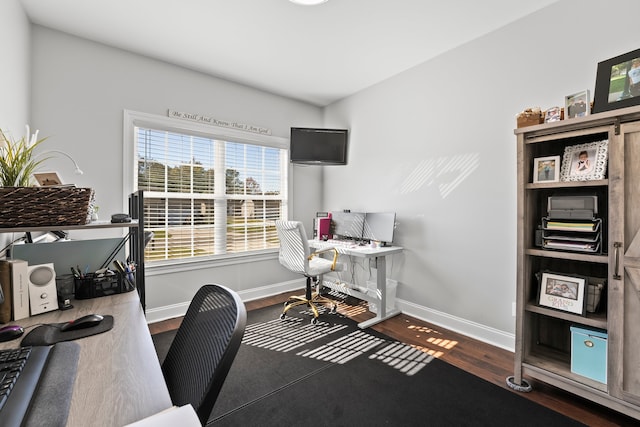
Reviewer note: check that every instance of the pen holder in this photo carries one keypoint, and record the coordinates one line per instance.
(93, 286)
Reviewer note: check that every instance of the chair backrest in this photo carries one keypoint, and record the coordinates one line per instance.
(294, 247)
(204, 347)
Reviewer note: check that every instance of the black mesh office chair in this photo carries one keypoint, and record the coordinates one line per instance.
(296, 256)
(205, 345)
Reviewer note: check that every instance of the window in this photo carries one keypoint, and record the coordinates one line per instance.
(208, 191)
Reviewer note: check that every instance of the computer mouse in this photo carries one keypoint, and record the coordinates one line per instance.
(10, 332)
(82, 322)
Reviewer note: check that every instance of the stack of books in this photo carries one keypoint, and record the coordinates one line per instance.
(15, 287)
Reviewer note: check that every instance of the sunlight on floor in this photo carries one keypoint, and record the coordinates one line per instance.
(431, 341)
(352, 310)
(434, 345)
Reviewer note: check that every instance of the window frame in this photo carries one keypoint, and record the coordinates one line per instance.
(133, 119)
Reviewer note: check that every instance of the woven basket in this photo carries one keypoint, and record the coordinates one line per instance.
(42, 206)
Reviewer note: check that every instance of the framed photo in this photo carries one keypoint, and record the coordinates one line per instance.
(45, 179)
(618, 82)
(584, 162)
(546, 169)
(553, 114)
(577, 105)
(564, 293)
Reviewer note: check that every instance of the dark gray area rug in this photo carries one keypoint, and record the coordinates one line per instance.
(289, 372)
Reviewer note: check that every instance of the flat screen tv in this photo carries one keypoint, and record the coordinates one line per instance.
(318, 146)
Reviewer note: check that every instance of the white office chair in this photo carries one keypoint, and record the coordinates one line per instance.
(296, 256)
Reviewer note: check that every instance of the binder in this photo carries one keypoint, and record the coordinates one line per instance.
(5, 284)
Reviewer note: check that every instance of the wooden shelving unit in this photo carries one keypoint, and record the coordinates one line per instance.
(543, 348)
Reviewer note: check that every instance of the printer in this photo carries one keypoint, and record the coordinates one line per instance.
(572, 207)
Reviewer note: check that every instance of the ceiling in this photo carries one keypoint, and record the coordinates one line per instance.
(317, 54)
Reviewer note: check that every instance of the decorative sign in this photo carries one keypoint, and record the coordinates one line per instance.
(199, 118)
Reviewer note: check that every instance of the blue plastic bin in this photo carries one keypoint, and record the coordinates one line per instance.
(589, 353)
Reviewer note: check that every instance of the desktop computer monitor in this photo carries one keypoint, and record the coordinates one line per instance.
(348, 225)
(379, 226)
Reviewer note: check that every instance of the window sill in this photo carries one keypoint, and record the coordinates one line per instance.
(164, 267)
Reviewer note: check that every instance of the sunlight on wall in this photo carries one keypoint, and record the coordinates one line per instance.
(446, 172)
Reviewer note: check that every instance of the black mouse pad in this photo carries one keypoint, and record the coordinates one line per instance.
(51, 334)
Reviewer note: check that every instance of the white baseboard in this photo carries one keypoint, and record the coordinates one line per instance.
(177, 310)
(465, 327)
(159, 314)
(471, 329)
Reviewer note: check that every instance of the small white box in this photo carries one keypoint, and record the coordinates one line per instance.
(372, 291)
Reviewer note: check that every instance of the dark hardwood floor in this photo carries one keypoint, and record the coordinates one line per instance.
(491, 363)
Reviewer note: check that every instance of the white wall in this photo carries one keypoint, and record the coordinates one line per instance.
(449, 122)
(15, 69)
(14, 74)
(435, 143)
(80, 90)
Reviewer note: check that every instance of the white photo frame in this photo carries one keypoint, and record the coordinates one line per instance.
(577, 105)
(553, 114)
(585, 162)
(546, 169)
(565, 293)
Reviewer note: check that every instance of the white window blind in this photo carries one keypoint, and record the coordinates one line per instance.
(205, 196)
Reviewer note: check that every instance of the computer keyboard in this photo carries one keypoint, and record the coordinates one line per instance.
(341, 243)
(29, 376)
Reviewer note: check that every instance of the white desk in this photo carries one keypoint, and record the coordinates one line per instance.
(380, 255)
(119, 379)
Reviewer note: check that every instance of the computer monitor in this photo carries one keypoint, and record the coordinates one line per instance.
(348, 224)
(379, 226)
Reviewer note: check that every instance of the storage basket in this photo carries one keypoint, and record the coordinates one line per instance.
(94, 286)
(42, 206)
(595, 289)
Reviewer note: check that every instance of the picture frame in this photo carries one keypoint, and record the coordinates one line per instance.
(577, 105)
(617, 82)
(561, 292)
(585, 162)
(553, 114)
(46, 179)
(546, 169)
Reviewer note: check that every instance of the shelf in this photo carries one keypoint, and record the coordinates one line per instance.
(135, 230)
(573, 256)
(544, 368)
(567, 184)
(90, 226)
(596, 320)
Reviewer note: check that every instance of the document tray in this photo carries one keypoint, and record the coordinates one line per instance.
(574, 236)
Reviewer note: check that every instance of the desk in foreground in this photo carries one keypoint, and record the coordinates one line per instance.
(119, 379)
(380, 255)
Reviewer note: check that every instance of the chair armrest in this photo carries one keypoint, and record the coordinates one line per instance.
(321, 251)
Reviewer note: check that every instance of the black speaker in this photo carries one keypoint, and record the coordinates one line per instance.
(538, 238)
(65, 287)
